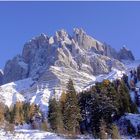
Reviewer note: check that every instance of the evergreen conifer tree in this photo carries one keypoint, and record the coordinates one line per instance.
(115, 132)
(55, 116)
(72, 114)
(124, 100)
(26, 109)
(19, 118)
(12, 114)
(7, 114)
(1, 113)
(62, 101)
(103, 130)
(32, 110)
(44, 125)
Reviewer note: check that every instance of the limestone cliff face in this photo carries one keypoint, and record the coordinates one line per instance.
(78, 52)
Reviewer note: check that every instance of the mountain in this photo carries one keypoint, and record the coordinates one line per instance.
(47, 63)
(78, 52)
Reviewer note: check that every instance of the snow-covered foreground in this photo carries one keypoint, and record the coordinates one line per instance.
(24, 134)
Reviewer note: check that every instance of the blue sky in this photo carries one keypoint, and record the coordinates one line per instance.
(116, 23)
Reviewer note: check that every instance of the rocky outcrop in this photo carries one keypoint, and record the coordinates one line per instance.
(15, 69)
(109, 51)
(125, 54)
(86, 42)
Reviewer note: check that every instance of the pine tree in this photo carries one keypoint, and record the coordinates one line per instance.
(85, 100)
(44, 125)
(19, 117)
(1, 113)
(72, 114)
(12, 114)
(62, 101)
(115, 132)
(55, 116)
(7, 114)
(103, 130)
(124, 100)
(102, 108)
(15, 114)
(32, 110)
(26, 110)
(113, 95)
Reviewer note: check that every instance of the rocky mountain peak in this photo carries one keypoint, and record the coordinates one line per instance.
(61, 34)
(125, 54)
(79, 36)
(62, 37)
(77, 52)
(87, 42)
(79, 31)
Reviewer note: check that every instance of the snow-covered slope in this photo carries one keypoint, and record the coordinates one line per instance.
(39, 92)
(25, 90)
(12, 92)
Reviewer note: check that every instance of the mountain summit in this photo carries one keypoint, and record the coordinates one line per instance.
(79, 52)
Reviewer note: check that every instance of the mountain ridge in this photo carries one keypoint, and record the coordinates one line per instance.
(62, 49)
